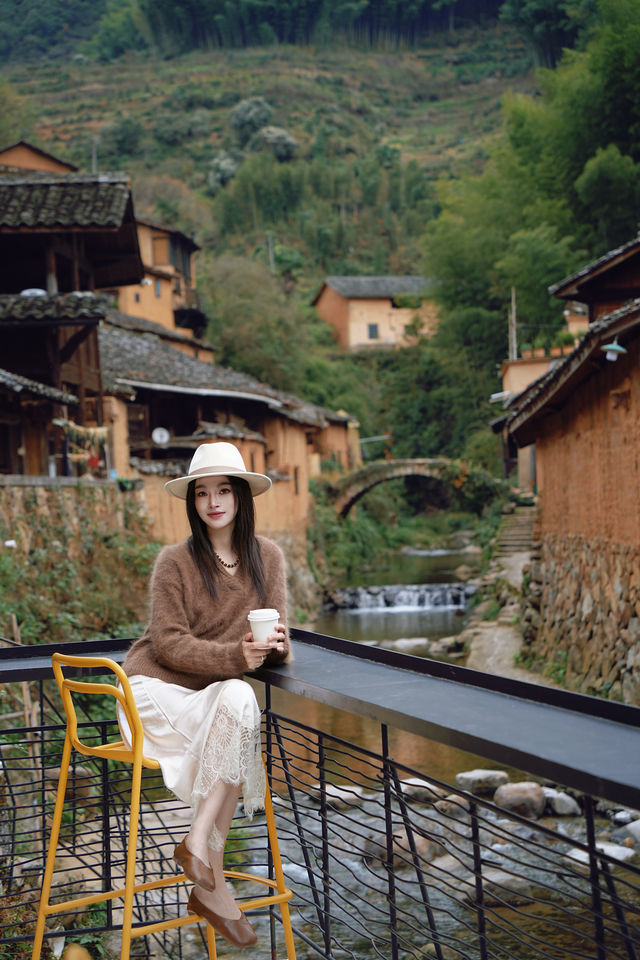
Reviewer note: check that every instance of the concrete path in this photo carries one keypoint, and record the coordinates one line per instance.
(494, 644)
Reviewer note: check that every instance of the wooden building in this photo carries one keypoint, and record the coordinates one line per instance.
(90, 389)
(60, 234)
(162, 403)
(583, 416)
(167, 292)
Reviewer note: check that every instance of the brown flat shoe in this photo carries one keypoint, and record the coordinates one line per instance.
(239, 932)
(197, 871)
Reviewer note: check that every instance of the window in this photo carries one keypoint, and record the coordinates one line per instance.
(136, 297)
(373, 331)
(158, 288)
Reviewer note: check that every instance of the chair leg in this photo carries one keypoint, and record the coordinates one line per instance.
(279, 874)
(53, 847)
(211, 942)
(132, 850)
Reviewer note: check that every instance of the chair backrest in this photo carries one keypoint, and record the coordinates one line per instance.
(117, 750)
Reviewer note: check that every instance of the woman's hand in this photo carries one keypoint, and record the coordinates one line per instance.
(255, 654)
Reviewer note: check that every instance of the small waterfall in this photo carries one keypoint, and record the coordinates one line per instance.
(419, 596)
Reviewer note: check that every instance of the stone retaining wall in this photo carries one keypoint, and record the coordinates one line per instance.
(581, 614)
(27, 509)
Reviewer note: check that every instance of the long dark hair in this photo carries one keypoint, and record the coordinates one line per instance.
(243, 539)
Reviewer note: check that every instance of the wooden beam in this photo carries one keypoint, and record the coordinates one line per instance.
(52, 278)
(74, 342)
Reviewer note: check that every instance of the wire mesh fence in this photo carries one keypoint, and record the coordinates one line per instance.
(384, 861)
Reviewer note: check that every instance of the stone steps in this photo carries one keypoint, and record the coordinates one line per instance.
(516, 532)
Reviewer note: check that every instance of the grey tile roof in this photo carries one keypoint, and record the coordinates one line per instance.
(127, 322)
(595, 265)
(18, 384)
(368, 288)
(578, 361)
(70, 306)
(63, 201)
(131, 358)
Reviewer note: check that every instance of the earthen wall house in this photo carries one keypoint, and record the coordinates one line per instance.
(581, 611)
(25, 156)
(368, 311)
(167, 293)
(132, 374)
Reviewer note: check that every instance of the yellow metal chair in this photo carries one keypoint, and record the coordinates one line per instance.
(280, 894)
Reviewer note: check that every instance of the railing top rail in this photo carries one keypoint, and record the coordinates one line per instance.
(583, 742)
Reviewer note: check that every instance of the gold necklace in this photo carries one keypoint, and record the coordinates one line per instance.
(229, 566)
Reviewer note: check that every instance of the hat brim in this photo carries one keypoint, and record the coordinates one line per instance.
(257, 481)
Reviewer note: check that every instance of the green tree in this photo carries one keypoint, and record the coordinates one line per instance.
(550, 25)
(121, 28)
(614, 58)
(609, 189)
(252, 325)
(532, 261)
(14, 120)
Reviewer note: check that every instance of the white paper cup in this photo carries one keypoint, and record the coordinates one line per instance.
(262, 623)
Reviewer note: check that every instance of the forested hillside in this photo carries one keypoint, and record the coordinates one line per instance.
(406, 138)
(31, 28)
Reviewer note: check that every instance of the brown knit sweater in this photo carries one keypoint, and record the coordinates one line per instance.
(193, 640)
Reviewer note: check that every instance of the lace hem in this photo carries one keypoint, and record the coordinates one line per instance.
(232, 754)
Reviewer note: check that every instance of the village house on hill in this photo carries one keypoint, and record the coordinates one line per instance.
(583, 606)
(88, 391)
(376, 311)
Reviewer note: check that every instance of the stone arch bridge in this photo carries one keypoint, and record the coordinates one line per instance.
(472, 483)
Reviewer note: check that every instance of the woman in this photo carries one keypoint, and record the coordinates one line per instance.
(201, 722)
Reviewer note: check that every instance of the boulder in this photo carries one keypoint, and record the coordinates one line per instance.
(623, 817)
(481, 782)
(561, 803)
(411, 644)
(427, 848)
(499, 887)
(617, 851)
(340, 798)
(525, 798)
(633, 830)
(453, 806)
(74, 951)
(415, 789)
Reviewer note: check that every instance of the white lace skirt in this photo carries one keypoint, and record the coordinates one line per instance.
(201, 738)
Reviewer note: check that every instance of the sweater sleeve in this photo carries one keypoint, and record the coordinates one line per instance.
(276, 583)
(218, 657)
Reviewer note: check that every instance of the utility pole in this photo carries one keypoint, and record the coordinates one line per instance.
(513, 332)
(272, 265)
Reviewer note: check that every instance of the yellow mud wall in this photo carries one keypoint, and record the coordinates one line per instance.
(391, 322)
(334, 310)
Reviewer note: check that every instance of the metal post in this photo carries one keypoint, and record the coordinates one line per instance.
(304, 846)
(435, 937)
(391, 878)
(477, 870)
(625, 933)
(326, 874)
(596, 901)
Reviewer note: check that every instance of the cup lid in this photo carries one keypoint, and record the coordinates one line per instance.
(265, 613)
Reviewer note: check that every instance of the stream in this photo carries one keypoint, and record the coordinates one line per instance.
(417, 596)
(421, 596)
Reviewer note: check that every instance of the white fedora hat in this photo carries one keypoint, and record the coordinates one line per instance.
(217, 460)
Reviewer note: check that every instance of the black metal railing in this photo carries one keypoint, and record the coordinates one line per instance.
(385, 860)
